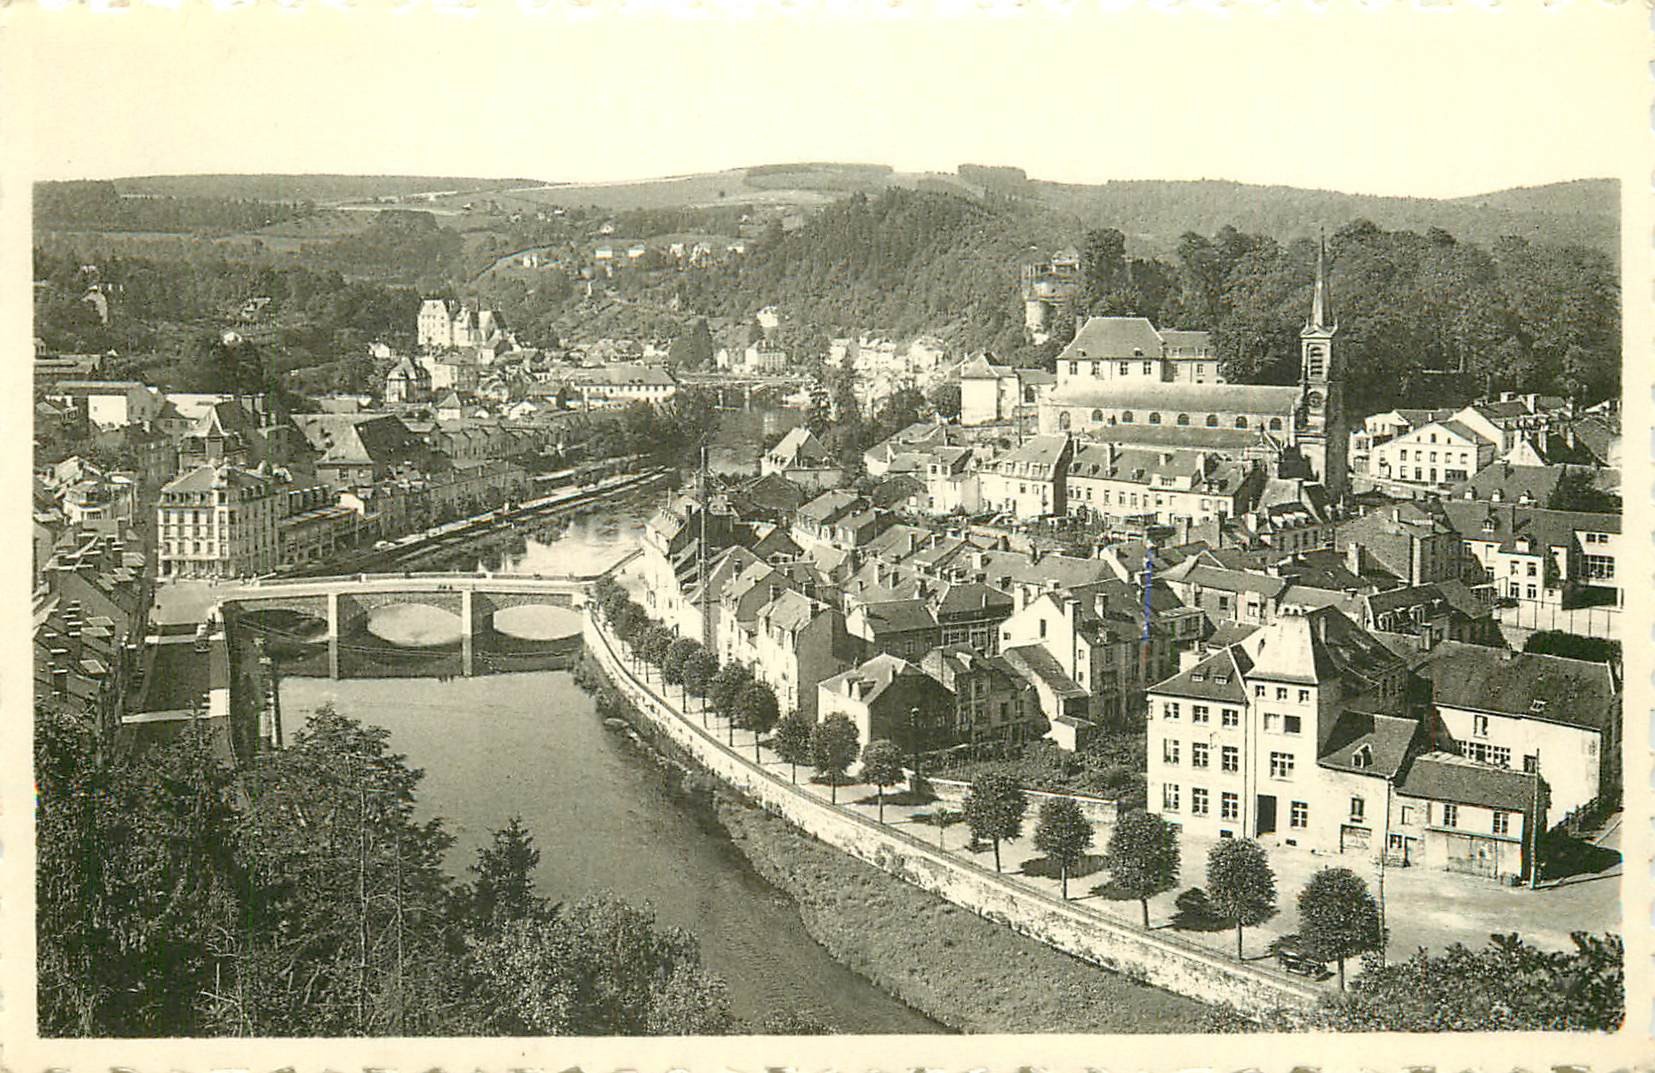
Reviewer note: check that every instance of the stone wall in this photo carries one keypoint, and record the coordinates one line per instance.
(1155, 958)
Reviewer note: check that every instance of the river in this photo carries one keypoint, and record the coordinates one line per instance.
(605, 814)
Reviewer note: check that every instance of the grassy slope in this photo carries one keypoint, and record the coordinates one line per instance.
(949, 963)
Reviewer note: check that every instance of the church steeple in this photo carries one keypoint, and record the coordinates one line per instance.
(1320, 303)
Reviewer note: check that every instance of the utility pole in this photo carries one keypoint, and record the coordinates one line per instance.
(701, 565)
(362, 907)
(1534, 827)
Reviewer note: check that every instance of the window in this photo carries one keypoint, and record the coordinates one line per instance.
(1281, 692)
(1531, 765)
(1199, 753)
(1502, 822)
(1358, 808)
(1484, 753)
(1183, 419)
(1292, 723)
(1171, 710)
(1479, 725)
(1304, 696)
(1169, 797)
(1169, 751)
(1200, 713)
(1281, 765)
(1408, 814)
(1212, 420)
(1230, 759)
(1126, 417)
(1231, 717)
(1241, 421)
(1229, 807)
(1198, 801)
(1258, 691)
(1042, 627)
(1299, 815)
(1149, 368)
(1097, 415)
(1155, 417)
(1450, 815)
(1272, 723)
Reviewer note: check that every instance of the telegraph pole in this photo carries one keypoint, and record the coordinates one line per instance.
(701, 563)
(1534, 827)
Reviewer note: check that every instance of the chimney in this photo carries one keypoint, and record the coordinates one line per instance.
(1353, 557)
(1396, 514)
(775, 591)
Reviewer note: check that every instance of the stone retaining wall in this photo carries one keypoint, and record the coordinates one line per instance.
(1154, 958)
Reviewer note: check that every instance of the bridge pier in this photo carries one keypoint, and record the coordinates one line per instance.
(467, 636)
(333, 635)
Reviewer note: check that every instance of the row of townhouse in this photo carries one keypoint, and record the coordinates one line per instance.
(1310, 732)
(1420, 453)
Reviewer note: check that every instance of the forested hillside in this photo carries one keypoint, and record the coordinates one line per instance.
(1515, 290)
(1418, 313)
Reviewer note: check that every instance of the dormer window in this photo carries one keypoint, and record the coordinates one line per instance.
(1363, 757)
(1538, 707)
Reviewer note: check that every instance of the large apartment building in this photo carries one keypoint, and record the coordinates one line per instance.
(1306, 733)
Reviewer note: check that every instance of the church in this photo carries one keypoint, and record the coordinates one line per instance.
(1124, 381)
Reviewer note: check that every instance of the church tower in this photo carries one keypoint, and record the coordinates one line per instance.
(1323, 436)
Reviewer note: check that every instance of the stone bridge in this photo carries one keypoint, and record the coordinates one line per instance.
(342, 603)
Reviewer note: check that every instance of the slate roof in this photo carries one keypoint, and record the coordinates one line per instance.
(1442, 776)
(1571, 691)
(898, 616)
(1221, 676)
(1387, 739)
(1317, 645)
(1551, 528)
(1513, 482)
(1033, 662)
(1114, 338)
(880, 672)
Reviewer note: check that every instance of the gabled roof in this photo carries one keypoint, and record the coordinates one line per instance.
(1527, 685)
(1368, 743)
(898, 616)
(1114, 338)
(1036, 664)
(799, 448)
(1314, 646)
(1439, 776)
(1221, 676)
(879, 672)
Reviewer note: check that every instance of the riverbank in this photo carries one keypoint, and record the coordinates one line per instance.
(953, 966)
(1073, 927)
(959, 969)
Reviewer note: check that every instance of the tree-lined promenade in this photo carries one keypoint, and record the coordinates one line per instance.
(1338, 916)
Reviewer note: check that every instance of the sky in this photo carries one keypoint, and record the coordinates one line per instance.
(1393, 101)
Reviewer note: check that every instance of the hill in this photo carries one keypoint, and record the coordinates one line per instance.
(316, 188)
(1154, 213)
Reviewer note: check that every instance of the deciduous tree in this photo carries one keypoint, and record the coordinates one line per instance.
(1240, 885)
(882, 766)
(757, 711)
(792, 740)
(1338, 918)
(1142, 856)
(994, 809)
(1063, 834)
(833, 743)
